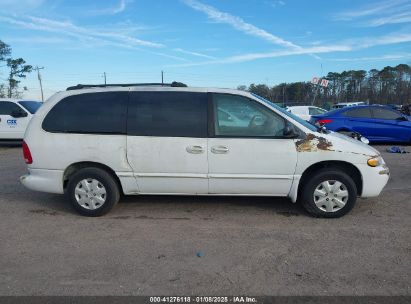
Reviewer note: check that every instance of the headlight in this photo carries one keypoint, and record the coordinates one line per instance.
(375, 161)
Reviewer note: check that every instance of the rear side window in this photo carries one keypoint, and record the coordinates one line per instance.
(381, 113)
(7, 108)
(168, 114)
(91, 113)
(358, 113)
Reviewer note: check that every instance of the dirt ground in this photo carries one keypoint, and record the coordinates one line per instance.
(154, 245)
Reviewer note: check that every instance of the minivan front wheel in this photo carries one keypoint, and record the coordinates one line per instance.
(329, 193)
(92, 191)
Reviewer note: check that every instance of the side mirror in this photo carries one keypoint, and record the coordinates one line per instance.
(289, 132)
(18, 114)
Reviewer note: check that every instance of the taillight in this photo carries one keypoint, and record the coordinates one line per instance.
(324, 121)
(27, 154)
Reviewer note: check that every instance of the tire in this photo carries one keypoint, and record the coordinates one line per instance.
(322, 196)
(92, 191)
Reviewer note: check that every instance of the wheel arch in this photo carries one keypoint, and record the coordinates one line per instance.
(344, 166)
(70, 170)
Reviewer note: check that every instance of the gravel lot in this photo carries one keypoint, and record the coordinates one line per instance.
(148, 245)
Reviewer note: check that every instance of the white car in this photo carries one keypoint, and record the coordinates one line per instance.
(95, 143)
(348, 104)
(305, 112)
(15, 115)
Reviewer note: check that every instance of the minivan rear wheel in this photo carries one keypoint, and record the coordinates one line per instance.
(92, 191)
(329, 193)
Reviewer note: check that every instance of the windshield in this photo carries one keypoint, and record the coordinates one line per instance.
(289, 114)
(31, 106)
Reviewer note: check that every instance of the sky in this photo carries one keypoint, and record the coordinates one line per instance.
(214, 43)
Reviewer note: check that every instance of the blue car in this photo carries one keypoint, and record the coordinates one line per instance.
(377, 123)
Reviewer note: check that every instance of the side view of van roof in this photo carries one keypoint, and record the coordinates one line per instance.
(124, 85)
(95, 143)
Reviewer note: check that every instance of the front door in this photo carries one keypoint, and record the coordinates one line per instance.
(167, 141)
(248, 153)
(12, 127)
(388, 125)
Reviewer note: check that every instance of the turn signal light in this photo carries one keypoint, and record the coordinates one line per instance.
(374, 162)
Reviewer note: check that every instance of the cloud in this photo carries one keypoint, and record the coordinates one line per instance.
(393, 19)
(87, 36)
(392, 38)
(38, 40)
(120, 7)
(375, 8)
(267, 55)
(82, 33)
(380, 13)
(193, 53)
(275, 3)
(14, 6)
(376, 58)
(238, 24)
(345, 46)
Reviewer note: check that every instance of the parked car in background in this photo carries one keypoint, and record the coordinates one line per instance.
(15, 115)
(305, 112)
(395, 106)
(341, 105)
(377, 123)
(97, 143)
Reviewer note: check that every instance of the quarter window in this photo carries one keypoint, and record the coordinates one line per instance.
(7, 108)
(238, 116)
(385, 114)
(168, 114)
(90, 113)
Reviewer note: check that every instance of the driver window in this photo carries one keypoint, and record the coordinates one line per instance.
(239, 116)
(7, 108)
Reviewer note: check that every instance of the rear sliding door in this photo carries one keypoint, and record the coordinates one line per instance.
(167, 141)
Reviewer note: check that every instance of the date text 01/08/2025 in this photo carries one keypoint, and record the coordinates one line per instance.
(202, 299)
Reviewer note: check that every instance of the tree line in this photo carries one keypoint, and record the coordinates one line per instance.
(14, 69)
(391, 85)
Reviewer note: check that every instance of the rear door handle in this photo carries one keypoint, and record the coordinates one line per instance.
(195, 149)
(219, 149)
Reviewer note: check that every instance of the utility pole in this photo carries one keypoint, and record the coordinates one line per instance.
(39, 78)
(105, 78)
(162, 77)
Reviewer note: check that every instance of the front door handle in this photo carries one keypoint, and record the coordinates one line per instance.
(195, 149)
(219, 149)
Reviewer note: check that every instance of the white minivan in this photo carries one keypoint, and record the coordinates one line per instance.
(94, 144)
(15, 115)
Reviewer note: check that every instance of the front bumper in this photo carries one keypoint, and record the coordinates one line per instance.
(44, 180)
(374, 179)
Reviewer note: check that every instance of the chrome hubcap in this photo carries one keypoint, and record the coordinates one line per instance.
(331, 196)
(90, 194)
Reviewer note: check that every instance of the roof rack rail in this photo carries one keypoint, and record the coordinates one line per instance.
(86, 86)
